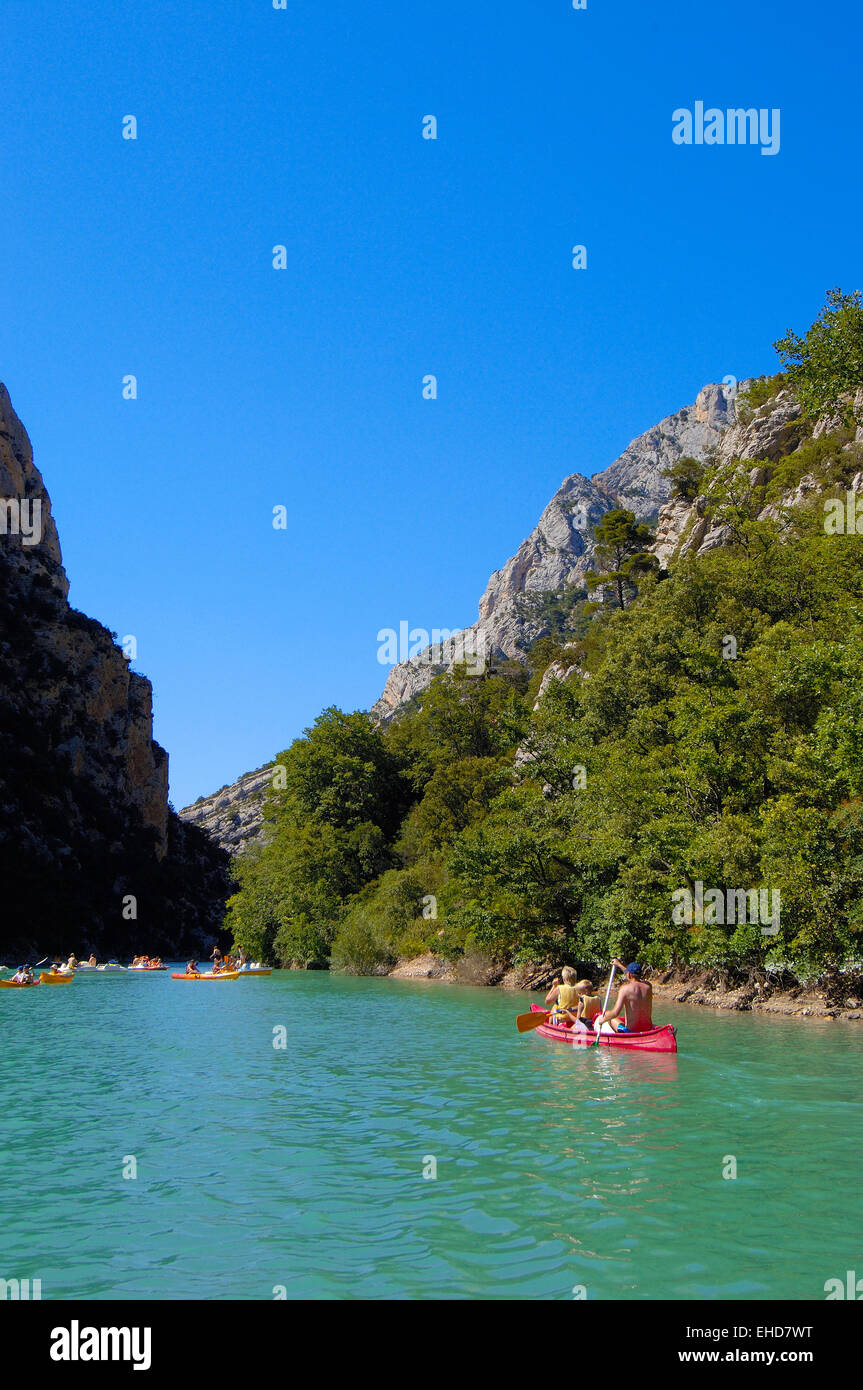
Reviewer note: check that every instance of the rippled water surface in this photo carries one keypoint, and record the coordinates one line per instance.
(303, 1167)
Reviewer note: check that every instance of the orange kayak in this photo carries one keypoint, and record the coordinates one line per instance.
(227, 975)
(18, 984)
(47, 977)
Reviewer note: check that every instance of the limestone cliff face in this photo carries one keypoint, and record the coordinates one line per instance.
(234, 816)
(774, 430)
(560, 549)
(84, 816)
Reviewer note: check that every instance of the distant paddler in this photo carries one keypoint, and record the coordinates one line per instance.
(634, 1001)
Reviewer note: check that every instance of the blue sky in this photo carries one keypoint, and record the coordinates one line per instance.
(302, 387)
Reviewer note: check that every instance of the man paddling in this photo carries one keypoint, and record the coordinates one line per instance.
(634, 1001)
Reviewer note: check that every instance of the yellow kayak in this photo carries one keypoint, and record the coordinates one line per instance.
(47, 977)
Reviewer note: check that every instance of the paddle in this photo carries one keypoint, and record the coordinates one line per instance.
(598, 1026)
(524, 1022)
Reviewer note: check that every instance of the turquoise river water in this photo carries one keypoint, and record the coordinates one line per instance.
(299, 1171)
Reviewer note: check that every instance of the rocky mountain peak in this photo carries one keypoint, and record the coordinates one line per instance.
(560, 549)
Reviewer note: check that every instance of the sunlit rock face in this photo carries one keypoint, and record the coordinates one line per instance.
(560, 549)
(234, 816)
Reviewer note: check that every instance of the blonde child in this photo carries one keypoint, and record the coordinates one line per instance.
(572, 1001)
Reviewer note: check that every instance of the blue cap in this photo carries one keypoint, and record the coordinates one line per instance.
(634, 968)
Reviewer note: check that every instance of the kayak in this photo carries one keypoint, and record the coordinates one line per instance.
(143, 969)
(228, 975)
(257, 970)
(47, 977)
(18, 984)
(653, 1040)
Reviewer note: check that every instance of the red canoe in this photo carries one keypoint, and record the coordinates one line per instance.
(654, 1040)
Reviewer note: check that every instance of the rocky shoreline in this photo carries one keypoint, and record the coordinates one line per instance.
(680, 987)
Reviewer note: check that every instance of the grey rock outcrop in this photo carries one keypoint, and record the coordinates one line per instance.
(559, 670)
(560, 550)
(234, 816)
(771, 431)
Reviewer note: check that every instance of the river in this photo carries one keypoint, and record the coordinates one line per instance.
(298, 1171)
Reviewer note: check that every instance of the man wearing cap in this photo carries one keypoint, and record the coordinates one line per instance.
(634, 1001)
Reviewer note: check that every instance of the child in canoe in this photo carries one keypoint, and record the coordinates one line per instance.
(589, 1007)
(572, 1001)
(192, 968)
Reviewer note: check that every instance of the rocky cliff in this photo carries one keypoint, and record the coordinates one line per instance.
(558, 552)
(560, 549)
(774, 430)
(233, 816)
(91, 856)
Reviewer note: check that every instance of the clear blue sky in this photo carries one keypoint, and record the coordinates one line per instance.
(303, 387)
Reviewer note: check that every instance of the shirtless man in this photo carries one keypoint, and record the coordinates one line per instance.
(634, 1001)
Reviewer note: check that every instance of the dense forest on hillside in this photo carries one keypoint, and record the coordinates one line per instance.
(711, 732)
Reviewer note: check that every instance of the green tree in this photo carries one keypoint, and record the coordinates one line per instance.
(826, 364)
(621, 551)
(685, 477)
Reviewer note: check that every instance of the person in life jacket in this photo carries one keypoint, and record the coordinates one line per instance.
(563, 997)
(588, 1007)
